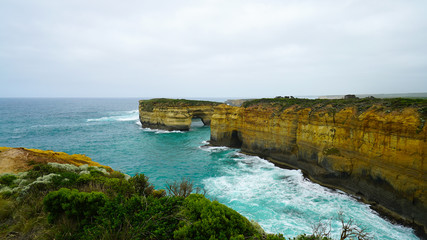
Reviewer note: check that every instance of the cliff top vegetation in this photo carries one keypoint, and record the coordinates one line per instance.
(362, 104)
(64, 201)
(148, 105)
(13, 160)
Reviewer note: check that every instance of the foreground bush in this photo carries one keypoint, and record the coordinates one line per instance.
(61, 201)
(78, 206)
(204, 219)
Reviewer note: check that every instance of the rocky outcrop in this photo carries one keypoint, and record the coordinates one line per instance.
(174, 114)
(374, 151)
(14, 160)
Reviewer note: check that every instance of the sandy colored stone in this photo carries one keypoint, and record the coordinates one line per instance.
(175, 118)
(13, 160)
(376, 154)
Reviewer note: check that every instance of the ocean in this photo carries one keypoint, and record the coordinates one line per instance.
(108, 131)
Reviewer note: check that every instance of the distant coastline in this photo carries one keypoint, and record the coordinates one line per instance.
(380, 95)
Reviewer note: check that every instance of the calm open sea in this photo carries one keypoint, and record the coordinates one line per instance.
(108, 131)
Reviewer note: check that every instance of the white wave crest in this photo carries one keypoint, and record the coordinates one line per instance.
(127, 116)
(213, 148)
(283, 201)
(160, 131)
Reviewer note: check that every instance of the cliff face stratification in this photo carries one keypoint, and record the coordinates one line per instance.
(373, 149)
(174, 114)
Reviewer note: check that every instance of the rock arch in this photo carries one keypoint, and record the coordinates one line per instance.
(174, 114)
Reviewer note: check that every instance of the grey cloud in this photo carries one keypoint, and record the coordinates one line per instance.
(211, 48)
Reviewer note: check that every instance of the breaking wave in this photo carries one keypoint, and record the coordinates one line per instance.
(284, 201)
(126, 116)
(208, 148)
(160, 131)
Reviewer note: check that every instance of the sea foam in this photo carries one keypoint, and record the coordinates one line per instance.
(284, 201)
(213, 148)
(125, 116)
(160, 131)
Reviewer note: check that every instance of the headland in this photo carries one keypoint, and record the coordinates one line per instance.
(372, 148)
(174, 114)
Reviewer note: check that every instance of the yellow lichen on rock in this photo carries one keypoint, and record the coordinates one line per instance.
(13, 160)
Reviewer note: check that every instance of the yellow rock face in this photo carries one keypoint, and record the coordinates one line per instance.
(376, 154)
(175, 118)
(13, 160)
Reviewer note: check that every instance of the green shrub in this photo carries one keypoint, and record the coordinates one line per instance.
(275, 237)
(159, 217)
(116, 186)
(117, 174)
(204, 219)
(78, 206)
(7, 179)
(97, 171)
(141, 185)
(85, 179)
(111, 220)
(40, 170)
(136, 218)
(41, 185)
(65, 179)
(159, 193)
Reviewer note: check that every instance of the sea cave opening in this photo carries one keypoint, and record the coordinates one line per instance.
(196, 122)
(236, 139)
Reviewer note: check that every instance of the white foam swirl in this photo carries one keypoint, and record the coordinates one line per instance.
(283, 201)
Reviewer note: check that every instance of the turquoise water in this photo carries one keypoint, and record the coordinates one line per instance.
(108, 131)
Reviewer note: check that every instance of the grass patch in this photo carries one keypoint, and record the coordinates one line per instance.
(149, 105)
(362, 104)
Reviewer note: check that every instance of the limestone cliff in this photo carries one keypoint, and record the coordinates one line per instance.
(174, 114)
(14, 160)
(374, 149)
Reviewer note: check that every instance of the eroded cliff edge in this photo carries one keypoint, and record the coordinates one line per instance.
(369, 147)
(174, 114)
(14, 160)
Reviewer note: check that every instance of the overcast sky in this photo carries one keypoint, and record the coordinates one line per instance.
(230, 48)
